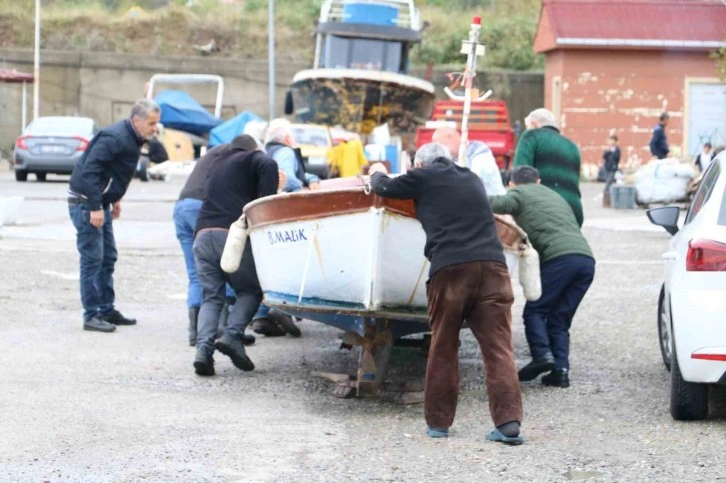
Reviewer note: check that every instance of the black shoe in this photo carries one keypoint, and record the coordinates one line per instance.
(285, 322)
(234, 349)
(98, 324)
(248, 339)
(193, 316)
(510, 429)
(204, 362)
(537, 367)
(267, 327)
(116, 318)
(557, 378)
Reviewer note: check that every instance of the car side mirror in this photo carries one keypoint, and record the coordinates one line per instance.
(665, 216)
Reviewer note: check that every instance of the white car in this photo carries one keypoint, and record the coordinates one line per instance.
(692, 303)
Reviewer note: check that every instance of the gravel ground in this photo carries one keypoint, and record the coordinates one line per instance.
(80, 406)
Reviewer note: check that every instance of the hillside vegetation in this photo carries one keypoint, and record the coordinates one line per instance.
(239, 29)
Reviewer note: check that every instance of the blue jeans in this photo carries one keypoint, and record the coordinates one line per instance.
(261, 312)
(547, 321)
(185, 216)
(97, 248)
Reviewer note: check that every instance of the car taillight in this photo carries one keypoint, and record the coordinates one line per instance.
(83, 143)
(20, 143)
(706, 256)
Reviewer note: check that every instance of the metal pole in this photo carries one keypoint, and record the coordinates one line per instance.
(469, 74)
(36, 62)
(271, 54)
(25, 106)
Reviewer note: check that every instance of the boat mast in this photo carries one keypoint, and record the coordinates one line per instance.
(473, 49)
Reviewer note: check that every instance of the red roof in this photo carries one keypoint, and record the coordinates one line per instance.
(650, 24)
(7, 75)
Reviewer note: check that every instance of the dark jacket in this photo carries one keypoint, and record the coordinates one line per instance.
(104, 172)
(659, 142)
(558, 161)
(612, 159)
(155, 151)
(194, 186)
(548, 220)
(453, 209)
(238, 177)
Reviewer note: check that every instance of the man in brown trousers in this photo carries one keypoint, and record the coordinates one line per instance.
(468, 280)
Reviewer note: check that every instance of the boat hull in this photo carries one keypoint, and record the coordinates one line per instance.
(360, 100)
(343, 256)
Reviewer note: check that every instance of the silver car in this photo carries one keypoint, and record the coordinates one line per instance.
(52, 145)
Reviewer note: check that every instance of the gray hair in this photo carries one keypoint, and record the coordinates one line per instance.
(541, 117)
(430, 152)
(143, 107)
(279, 134)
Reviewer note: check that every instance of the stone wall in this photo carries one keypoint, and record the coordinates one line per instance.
(104, 86)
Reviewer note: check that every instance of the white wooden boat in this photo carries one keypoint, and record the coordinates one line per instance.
(347, 258)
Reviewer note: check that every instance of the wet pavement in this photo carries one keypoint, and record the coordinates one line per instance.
(81, 406)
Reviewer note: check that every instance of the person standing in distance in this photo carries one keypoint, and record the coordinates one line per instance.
(98, 182)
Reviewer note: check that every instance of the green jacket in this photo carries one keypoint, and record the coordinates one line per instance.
(558, 161)
(546, 217)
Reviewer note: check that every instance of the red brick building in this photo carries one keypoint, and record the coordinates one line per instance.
(615, 65)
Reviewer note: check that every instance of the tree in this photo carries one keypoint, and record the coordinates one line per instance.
(720, 57)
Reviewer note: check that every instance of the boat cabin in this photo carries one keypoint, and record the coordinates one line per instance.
(367, 35)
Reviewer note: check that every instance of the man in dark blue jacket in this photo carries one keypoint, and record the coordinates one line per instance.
(99, 181)
(659, 142)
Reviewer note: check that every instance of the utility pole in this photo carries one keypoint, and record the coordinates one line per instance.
(36, 63)
(271, 55)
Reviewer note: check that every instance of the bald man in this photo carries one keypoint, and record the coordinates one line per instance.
(480, 159)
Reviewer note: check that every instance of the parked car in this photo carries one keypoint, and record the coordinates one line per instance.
(314, 142)
(692, 302)
(52, 145)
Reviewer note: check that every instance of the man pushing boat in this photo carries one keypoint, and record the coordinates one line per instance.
(468, 280)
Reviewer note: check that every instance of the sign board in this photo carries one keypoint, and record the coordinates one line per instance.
(705, 115)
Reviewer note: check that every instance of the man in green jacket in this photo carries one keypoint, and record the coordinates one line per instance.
(556, 158)
(567, 268)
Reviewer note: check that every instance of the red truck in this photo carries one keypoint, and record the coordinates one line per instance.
(488, 122)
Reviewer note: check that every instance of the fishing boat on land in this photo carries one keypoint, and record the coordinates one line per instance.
(350, 259)
(359, 78)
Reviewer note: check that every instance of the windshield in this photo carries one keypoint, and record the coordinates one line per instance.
(310, 136)
(368, 54)
(61, 125)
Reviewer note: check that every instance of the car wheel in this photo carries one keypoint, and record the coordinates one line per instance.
(40, 176)
(664, 328)
(689, 400)
(21, 175)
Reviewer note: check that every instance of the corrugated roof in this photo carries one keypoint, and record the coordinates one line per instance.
(686, 24)
(7, 75)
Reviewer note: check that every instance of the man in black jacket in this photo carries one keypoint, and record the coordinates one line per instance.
(468, 280)
(240, 175)
(659, 141)
(99, 181)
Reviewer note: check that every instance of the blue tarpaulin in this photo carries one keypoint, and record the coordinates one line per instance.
(228, 130)
(181, 111)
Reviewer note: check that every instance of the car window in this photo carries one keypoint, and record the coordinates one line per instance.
(705, 188)
(315, 137)
(60, 125)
